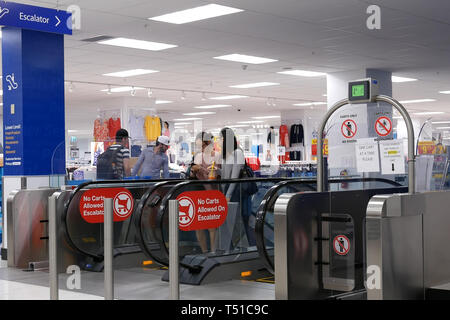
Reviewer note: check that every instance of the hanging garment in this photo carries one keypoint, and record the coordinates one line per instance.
(254, 163)
(113, 126)
(297, 134)
(136, 127)
(152, 127)
(284, 136)
(101, 131)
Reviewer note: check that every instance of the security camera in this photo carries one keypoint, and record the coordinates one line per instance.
(239, 110)
(244, 67)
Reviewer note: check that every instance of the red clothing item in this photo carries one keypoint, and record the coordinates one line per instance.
(284, 136)
(253, 163)
(113, 127)
(101, 131)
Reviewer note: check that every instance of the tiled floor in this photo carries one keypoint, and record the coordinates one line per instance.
(130, 284)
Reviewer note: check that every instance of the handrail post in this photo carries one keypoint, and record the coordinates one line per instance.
(108, 227)
(53, 248)
(173, 250)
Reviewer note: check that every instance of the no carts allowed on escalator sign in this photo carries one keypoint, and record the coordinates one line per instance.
(200, 210)
(92, 204)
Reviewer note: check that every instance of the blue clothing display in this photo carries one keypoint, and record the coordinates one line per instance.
(151, 164)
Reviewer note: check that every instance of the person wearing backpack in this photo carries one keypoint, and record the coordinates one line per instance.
(114, 163)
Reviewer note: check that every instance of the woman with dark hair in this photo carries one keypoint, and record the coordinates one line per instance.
(233, 162)
(166, 131)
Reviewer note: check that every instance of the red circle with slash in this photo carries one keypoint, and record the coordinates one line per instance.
(341, 245)
(349, 128)
(383, 126)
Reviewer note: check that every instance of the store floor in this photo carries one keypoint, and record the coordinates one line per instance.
(130, 284)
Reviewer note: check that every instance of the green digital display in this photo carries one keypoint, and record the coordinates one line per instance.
(358, 90)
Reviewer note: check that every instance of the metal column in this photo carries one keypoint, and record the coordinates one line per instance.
(173, 250)
(108, 247)
(53, 248)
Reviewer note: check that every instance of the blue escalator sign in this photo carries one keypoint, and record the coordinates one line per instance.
(35, 18)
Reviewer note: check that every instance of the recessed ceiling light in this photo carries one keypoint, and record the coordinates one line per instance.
(137, 44)
(215, 106)
(163, 102)
(253, 121)
(303, 73)
(255, 85)
(428, 113)
(231, 97)
(402, 79)
(122, 89)
(267, 117)
(417, 101)
(198, 113)
(245, 59)
(188, 119)
(196, 14)
(130, 73)
(309, 104)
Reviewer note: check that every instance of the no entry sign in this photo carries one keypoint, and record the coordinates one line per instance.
(92, 204)
(199, 210)
(383, 126)
(341, 245)
(349, 128)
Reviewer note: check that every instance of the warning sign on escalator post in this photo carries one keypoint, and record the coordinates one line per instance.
(92, 204)
(341, 245)
(200, 210)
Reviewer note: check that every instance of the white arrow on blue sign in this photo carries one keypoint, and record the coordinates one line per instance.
(35, 18)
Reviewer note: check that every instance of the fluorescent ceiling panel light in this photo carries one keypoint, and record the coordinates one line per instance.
(440, 122)
(239, 126)
(255, 85)
(232, 97)
(163, 101)
(198, 113)
(267, 117)
(215, 106)
(303, 73)
(188, 119)
(245, 59)
(445, 92)
(418, 101)
(309, 104)
(428, 113)
(123, 89)
(397, 79)
(182, 123)
(130, 73)
(72, 131)
(443, 128)
(196, 14)
(137, 44)
(250, 122)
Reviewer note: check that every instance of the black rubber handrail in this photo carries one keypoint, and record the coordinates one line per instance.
(107, 183)
(138, 219)
(267, 202)
(164, 203)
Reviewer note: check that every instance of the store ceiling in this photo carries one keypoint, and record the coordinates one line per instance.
(315, 35)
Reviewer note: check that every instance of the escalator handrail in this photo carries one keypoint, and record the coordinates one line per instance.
(263, 207)
(170, 194)
(138, 219)
(69, 240)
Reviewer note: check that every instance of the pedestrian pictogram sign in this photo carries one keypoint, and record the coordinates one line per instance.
(383, 126)
(349, 128)
(341, 245)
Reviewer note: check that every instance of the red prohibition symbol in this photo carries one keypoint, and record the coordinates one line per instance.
(383, 126)
(349, 128)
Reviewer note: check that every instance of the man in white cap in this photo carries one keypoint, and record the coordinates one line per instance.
(152, 161)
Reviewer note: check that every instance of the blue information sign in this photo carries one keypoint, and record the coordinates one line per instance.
(35, 18)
